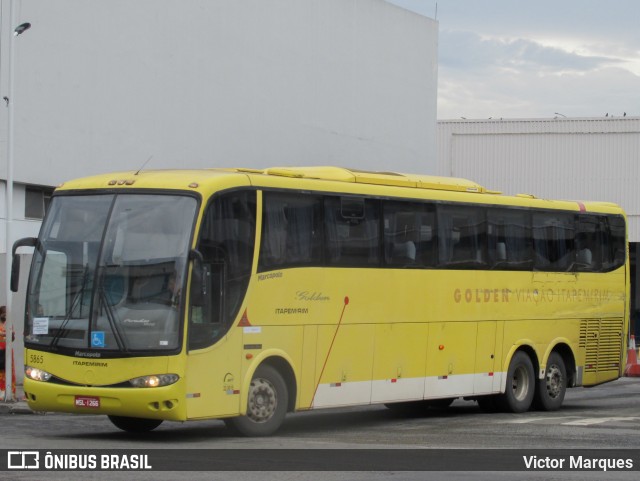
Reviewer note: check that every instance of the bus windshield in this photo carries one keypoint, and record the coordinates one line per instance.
(108, 273)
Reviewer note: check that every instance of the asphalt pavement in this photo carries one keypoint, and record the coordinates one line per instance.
(18, 406)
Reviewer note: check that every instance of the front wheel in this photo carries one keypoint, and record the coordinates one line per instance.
(135, 425)
(551, 389)
(266, 405)
(518, 395)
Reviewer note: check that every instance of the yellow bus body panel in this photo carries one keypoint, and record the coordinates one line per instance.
(353, 336)
(89, 377)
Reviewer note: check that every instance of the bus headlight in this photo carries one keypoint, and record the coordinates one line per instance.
(156, 380)
(36, 374)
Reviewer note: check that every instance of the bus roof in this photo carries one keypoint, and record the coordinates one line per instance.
(339, 174)
(204, 179)
(378, 178)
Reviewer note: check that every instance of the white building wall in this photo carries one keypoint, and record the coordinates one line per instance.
(107, 84)
(578, 159)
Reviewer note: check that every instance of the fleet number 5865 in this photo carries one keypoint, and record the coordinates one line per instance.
(36, 359)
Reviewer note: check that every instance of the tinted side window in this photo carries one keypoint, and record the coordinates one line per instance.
(461, 237)
(352, 230)
(409, 234)
(291, 231)
(554, 241)
(509, 236)
(615, 246)
(591, 237)
(226, 241)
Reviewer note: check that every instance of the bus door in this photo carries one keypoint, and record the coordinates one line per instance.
(213, 365)
(221, 269)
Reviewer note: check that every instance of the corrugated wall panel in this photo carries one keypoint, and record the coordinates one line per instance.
(581, 159)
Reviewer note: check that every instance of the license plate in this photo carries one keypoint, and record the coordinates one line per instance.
(87, 402)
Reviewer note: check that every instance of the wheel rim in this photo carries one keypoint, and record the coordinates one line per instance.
(555, 381)
(263, 400)
(520, 383)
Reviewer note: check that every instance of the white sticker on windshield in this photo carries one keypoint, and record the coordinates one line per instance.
(164, 343)
(40, 326)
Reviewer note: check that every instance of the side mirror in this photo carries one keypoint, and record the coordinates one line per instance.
(15, 266)
(15, 273)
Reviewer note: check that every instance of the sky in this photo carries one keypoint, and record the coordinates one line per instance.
(535, 58)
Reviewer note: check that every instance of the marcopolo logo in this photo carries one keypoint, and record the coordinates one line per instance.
(23, 460)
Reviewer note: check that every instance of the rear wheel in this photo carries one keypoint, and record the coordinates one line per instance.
(551, 389)
(518, 395)
(135, 425)
(266, 405)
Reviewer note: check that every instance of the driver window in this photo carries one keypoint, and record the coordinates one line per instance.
(226, 241)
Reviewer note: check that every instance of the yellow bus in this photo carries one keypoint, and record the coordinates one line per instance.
(243, 294)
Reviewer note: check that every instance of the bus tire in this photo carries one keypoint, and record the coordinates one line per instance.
(135, 425)
(266, 404)
(551, 389)
(520, 388)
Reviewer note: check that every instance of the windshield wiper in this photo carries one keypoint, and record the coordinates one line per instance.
(104, 298)
(74, 303)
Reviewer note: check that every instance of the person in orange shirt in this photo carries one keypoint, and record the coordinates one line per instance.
(3, 353)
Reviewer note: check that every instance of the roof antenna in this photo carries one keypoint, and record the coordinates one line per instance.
(142, 167)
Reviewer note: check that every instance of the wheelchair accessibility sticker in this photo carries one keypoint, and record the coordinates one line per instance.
(97, 339)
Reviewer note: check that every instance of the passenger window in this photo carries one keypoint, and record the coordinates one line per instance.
(291, 231)
(589, 236)
(353, 235)
(615, 252)
(510, 246)
(409, 234)
(461, 237)
(554, 241)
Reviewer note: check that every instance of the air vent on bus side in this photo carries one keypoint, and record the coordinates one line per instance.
(601, 340)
